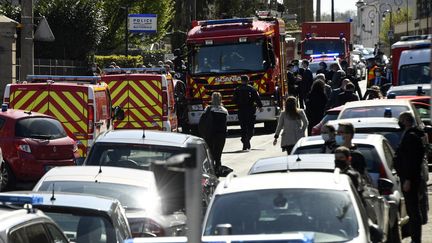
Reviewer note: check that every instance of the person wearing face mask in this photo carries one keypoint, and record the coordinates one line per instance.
(344, 136)
(343, 162)
(328, 134)
(408, 163)
(347, 95)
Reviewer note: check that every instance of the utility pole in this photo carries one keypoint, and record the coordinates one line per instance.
(126, 32)
(407, 31)
(332, 11)
(318, 11)
(27, 46)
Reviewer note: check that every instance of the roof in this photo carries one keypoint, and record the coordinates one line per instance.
(408, 87)
(359, 138)
(135, 136)
(11, 217)
(294, 162)
(380, 102)
(369, 122)
(305, 180)
(117, 175)
(72, 200)
(18, 114)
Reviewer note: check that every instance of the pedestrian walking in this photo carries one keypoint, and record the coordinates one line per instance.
(305, 84)
(216, 129)
(294, 123)
(408, 163)
(337, 78)
(316, 102)
(328, 134)
(348, 95)
(247, 100)
(291, 80)
(327, 88)
(352, 76)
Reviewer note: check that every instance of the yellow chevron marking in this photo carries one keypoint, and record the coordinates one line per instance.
(154, 92)
(43, 109)
(59, 115)
(139, 100)
(78, 104)
(118, 90)
(65, 107)
(14, 94)
(20, 103)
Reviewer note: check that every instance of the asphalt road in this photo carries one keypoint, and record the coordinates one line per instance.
(262, 147)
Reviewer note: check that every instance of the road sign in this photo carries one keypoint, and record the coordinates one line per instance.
(142, 23)
(390, 34)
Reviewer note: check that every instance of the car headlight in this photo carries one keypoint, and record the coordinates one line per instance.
(197, 107)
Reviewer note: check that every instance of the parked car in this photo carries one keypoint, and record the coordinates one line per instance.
(376, 206)
(330, 115)
(277, 203)
(409, 89)
(82, 218)
(149, 210)
(379, 155)
(19, 225)
(139, 149)
(32, 143)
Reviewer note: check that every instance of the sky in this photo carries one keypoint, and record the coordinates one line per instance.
(340, 5)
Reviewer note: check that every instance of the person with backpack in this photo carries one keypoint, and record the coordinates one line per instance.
(408, 163)
(247, 100)
(213, 128)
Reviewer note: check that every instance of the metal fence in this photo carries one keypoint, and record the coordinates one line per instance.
(56, 67)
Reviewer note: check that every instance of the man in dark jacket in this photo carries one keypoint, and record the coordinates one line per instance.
(408, 164)
(306, 83)
(291, 80)
(343, 162)
(335, 93)
(247, 99)
(323, 69)
(347, 95)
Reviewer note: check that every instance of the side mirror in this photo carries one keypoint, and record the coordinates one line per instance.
(118, 113)
(376, 234)
(385, 185)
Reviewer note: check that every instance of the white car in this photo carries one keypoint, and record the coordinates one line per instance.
(148, 211)
(277, 203)
(409, 89)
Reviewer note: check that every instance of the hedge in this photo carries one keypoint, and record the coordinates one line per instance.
(120, 60)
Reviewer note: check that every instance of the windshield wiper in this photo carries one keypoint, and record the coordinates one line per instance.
(40, 136)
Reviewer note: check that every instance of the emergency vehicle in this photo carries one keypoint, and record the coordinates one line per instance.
(83, 108)
(146, 95)
(406, 45)
(220, 51)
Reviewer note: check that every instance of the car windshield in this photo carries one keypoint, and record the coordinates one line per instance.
(313, 47)
(39, 128)
(393, 135)
(418, 73)
(279, 211)
(129, 155)
(371, 111)
(131, 197)
(230, 58)
(329, 117)
(84, 228)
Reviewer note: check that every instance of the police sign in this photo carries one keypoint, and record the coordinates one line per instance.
(142, 23)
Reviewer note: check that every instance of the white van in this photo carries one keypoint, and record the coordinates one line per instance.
(414, 67)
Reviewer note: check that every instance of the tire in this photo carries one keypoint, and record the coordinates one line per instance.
(7, 178)
(395, 232)
(270, 126)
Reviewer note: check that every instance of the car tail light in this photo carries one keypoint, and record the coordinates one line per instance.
(145, 226)
(24, 147)
(90, 128)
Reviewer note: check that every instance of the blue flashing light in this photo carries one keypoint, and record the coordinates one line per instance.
(20, 199)
(324, 55)
(226, 21)
(134, 70)
(388, 112)
(62, 78)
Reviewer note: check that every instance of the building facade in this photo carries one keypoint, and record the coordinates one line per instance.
(303, 8)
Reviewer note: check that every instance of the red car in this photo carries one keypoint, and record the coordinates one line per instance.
(32, 143)
(330, 115)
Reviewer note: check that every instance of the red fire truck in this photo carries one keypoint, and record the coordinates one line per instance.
(220, 51)
(325, 38)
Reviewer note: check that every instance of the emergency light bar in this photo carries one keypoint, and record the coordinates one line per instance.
(134, 70)
(324, 55)
(20, 199)
(34, 78)
(226, 21)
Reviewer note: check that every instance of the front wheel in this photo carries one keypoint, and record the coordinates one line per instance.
(395, 232)
(7, 179)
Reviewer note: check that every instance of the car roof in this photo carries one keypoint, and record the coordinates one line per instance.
(368, 122)
(116, 175)
(71, 200)
(18, 114)
(303, 180)
(378, 102)
(311, 162)
(135, 136)
(409, 87)
(359, 138)
(12, 217)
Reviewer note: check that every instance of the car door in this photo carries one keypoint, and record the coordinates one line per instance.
(30, 233)
(377, 207)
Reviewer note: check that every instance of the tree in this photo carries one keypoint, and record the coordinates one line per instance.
(237, 8)
(402, 16)
(115, 19)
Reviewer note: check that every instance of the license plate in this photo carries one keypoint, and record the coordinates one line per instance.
(232, 118)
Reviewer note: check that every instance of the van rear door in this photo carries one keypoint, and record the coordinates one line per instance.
(29, 97)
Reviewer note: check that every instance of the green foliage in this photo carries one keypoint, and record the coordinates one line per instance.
(9, 10)
(238, 8)
(76, 24)
(397, 17)
(120, 60)
(115, 20)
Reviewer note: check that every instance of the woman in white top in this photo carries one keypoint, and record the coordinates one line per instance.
(294, 123)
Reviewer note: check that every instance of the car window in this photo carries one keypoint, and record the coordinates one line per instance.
(388, 153)
(83, 228)
(393, 135)
(276, 211)
(371, 111)
(329, 117)
(29, 234)
(56, 235)
(39, 128)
